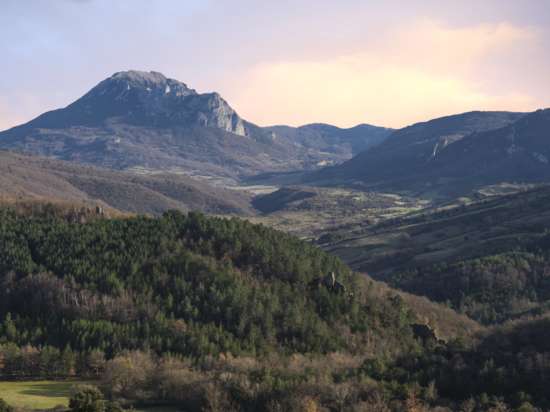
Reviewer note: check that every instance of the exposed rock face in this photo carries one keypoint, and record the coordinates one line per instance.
(329, 282)
(213, 111)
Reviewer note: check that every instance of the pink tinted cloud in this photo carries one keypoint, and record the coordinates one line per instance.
(422, 70)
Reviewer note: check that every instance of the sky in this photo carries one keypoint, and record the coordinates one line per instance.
(343, 62)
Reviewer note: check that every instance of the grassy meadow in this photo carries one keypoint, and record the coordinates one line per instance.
(36, 394)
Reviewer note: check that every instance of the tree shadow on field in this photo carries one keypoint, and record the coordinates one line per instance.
(49, 390)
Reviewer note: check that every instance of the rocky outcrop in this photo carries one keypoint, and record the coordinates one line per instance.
(425, 333)
(329, 282)
(213, 111)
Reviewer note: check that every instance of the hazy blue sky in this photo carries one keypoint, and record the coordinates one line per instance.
(342, 61)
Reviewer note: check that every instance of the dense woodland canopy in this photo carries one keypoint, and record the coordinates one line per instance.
(186, 284)
(492, 288)
(203, 311)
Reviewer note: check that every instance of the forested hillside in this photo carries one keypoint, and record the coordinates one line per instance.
(181, 283)
(220, 314)
(508, 367)
(490, 289)
(489, 260)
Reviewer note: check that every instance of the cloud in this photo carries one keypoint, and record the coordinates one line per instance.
(412, 74)
(285, 62)
(430, 45)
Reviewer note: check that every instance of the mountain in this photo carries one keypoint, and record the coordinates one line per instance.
(421, 156)
(342, 143)
(33, 178)
(519, 152)
(144, 120)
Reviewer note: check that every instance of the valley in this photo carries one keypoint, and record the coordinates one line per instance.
(160, 251)
(293, 206)
(314, 212)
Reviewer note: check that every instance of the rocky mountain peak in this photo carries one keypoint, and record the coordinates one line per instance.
(137, 119)
(138, 76)
(150, 98)
(148, 84)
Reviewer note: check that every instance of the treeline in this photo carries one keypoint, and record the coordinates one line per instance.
(49, 362)
(507, 371)
(298, 383)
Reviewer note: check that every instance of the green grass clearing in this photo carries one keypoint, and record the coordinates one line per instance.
(37, 394)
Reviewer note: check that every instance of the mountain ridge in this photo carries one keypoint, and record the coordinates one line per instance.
(139, 119)
(438, 154)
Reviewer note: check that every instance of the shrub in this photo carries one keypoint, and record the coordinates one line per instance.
(4, 407)
(87, 399)
(129, 374)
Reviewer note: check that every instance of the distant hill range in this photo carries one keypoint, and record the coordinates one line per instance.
(32, 178)
(143, 120)
(452, 155)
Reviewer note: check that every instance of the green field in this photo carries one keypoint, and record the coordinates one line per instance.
(49, 394)
(36, 394)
